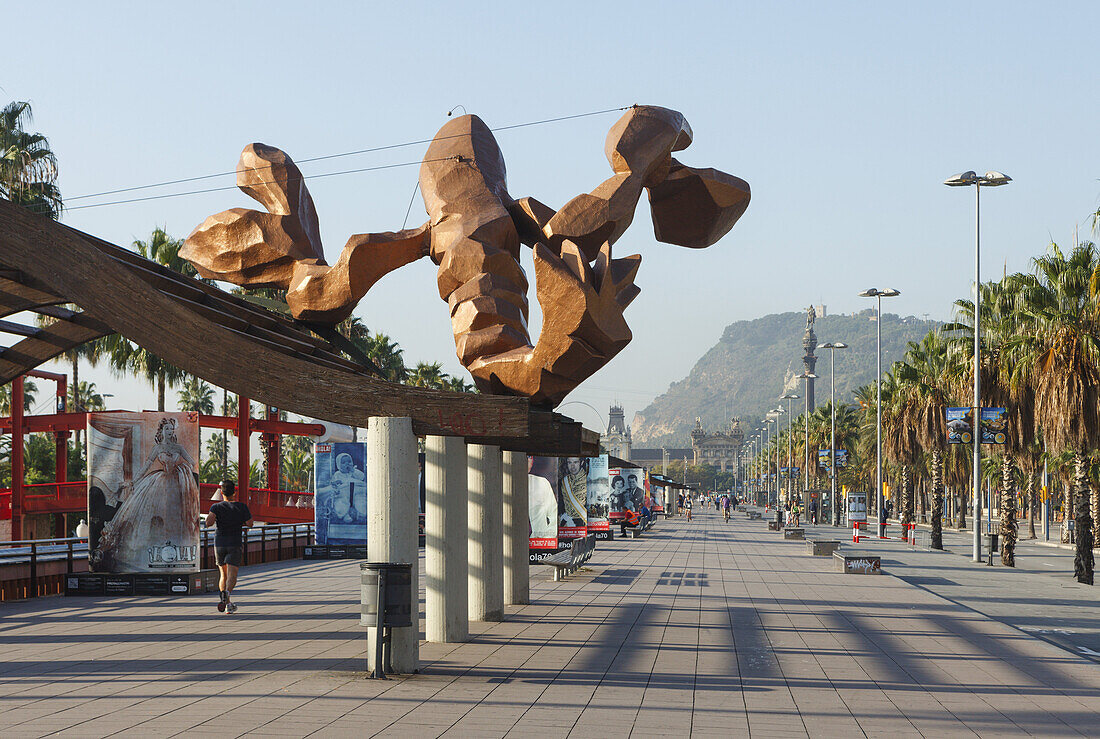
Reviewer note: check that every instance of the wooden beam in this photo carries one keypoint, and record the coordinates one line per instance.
(76, 268)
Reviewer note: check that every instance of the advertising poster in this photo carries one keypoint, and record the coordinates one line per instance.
(627, 493)
(572, 497)
(994, 425)
(960, 426)
(143, 492)
(823, 458)
(658, 494)
(340, 474)
(857, 507)
(599, 497)
(542, 501)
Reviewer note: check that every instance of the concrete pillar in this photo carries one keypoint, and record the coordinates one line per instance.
(486, 534)
(392, 526)
(517, 530)
(446, 532)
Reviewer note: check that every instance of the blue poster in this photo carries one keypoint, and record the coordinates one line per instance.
(340, 512)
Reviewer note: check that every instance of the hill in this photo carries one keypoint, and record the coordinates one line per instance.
(744, 374)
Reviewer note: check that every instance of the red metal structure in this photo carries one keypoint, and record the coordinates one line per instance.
(267, 504)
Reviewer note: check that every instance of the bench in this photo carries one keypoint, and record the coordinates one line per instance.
(568, 561)
(753, 515)
(773, 526)
(855, 563)
(821, 548)
(794, 533)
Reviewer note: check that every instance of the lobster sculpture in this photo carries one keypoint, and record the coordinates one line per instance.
(474, 233)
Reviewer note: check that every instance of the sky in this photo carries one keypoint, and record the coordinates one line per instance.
(844, 118)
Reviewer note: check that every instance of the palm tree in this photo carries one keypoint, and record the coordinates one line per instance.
(1058, 352)
(28, 169)
(426, 375)
(197, 395)
(930, 375)
(125, 356)
(29, 391)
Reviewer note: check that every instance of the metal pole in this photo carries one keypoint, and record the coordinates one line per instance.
(832, 437)
(878, 408)
(977, 420)
(806, 469)
(790, 452)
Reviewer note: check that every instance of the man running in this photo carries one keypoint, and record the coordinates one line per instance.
(230, 516)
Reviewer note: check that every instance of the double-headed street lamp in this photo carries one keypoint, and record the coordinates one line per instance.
(832, 346)
(989, 179)
(874, 292)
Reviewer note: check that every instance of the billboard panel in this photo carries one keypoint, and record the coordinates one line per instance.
(599, 496)
(542, 502)
(340, 509)
(143, 492)
(994, 425)
(627, 491)
(572, 497)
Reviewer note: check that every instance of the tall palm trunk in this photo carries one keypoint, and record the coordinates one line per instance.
(1032, 504)
(960, 506)
(1008, 513)
(160, 392)
(905, 515)
(1094, 505)
(937, 500)
(1082, 560)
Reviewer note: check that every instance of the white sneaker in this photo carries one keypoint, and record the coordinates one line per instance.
(231, 607)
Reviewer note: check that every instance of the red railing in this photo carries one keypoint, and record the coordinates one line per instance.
(274, 506)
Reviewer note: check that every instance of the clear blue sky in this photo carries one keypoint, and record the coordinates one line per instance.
(843, 117)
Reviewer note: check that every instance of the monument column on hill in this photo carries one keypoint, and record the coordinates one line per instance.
(809, 361)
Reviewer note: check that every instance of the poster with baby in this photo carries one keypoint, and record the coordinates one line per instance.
(340, 511)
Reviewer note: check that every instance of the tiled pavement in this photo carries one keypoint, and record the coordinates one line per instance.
(701, 628)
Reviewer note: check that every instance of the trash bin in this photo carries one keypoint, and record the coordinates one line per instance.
(397, 610)
(993, 542)
(385, 601)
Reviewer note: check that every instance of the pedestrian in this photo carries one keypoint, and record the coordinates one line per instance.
(882, 521)
(680, 503)
(230, 517)
(687, 505)
(813, 512)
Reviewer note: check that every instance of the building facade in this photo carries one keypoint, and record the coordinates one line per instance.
(720, 449)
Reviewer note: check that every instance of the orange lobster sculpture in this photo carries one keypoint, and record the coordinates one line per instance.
(474, 234)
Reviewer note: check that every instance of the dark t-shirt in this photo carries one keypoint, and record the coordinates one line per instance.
(230, 517)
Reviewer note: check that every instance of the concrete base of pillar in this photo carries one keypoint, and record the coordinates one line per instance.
(392, 527)
(517, 526)
(446, 532)
(486, 536)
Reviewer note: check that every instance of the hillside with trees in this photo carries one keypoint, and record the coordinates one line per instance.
(744, 374)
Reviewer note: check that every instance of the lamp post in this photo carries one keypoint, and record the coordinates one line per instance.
(832, 346)
(806, 377)
(879, 294)
(989, 179)
(790, 448)
(769, 419)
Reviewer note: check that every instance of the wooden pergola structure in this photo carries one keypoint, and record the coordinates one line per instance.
(87, 288)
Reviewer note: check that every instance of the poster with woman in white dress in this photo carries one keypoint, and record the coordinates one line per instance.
(143, 492)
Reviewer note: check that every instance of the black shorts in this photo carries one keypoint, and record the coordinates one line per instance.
(229, 556)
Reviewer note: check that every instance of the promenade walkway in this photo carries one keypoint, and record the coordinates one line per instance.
(695, 629)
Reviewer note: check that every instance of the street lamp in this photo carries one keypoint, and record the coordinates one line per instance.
(832, 346)
(874, 292)
(769, 419)
(790, 450)
(989, 179)
(807, 376)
